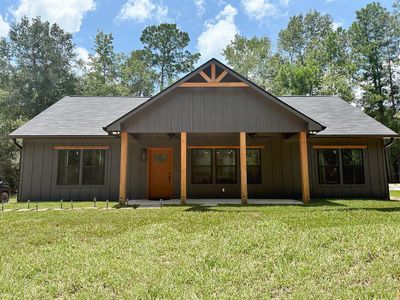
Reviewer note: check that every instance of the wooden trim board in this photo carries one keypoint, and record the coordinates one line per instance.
(304, 171)
(340, 147)
(183, 167)
(81, 147)
(224, 147)
(243, 168)
(213, 84)
(123, 169)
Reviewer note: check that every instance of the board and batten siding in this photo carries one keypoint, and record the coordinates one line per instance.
(279, 158)
(214, 110)
(38, 178)
(376, 185)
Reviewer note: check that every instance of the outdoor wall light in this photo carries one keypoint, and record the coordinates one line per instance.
(143, 155)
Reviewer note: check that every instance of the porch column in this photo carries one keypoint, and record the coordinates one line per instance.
(123, 167)
(243, 168)
(305, 179)
(183, 167)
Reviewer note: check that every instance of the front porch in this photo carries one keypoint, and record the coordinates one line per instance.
(282, 171)
(210, 202)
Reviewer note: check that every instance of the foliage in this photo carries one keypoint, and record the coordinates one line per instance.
(36, 71)
(138, 78)
(250, 58)
(102, 78)
(327, 250)
(166, 44)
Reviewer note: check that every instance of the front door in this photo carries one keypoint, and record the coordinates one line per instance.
(160, 173)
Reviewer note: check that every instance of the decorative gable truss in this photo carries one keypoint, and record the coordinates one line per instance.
(213, 76)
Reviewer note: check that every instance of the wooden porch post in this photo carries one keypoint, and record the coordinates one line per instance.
(243, 168)
(305, 179)
(123, 167)
(183, 167)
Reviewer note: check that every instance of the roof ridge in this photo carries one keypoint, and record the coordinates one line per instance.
(84, 96)
(311, 96)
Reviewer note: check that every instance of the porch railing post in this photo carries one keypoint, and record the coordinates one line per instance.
(123, 167)
(183, 167)
(243, 168)
(305, 179)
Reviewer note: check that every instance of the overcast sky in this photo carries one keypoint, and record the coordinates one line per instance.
(210, 23)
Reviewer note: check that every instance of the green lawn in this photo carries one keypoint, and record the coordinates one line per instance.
(395, 193)
(329, 249)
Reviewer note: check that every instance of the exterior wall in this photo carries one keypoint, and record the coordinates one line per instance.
(279, 158)
(39, 171)
(214, 110)
(376, 185)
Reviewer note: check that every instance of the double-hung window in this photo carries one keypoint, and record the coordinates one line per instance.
(202, 166)
(254, 166)
(81, 167)
(68, 167)
(225, 166)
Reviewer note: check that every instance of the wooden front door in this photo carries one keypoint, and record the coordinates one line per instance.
(160, 173)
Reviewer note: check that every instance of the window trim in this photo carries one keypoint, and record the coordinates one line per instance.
(80, 182)
(339, 148)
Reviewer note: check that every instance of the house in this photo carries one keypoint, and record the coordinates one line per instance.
(212, 134)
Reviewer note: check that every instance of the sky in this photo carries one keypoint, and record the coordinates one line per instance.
(211, 24)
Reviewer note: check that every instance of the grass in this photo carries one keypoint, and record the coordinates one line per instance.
(329, 249)
(395, 193)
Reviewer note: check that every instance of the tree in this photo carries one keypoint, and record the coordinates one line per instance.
(104, 68)
(137, 76)
(167, 43)
(315, 57)
(374, 42)
(42, 55)
(36, 70)
(250, 57)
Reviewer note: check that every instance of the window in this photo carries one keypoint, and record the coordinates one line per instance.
(328, 165)
(201, 166)
(93, 167)
(77, 166)
(254, 166)
(68, 167)
(226, 166)
(341, 166)
(353, 166)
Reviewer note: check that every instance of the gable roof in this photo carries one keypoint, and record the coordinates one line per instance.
(314, 125)
(339, 117)
(80, 116)
(77, 116)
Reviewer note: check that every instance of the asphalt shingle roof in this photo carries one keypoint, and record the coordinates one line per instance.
(78, 116)
(339, 117)
(86, 116)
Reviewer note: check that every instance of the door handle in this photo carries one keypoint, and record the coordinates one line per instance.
(169, 177)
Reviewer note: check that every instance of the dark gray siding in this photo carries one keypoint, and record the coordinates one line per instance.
(214, 110)
(376, 185)
(279, 156)
(280, 170)
(39, 171)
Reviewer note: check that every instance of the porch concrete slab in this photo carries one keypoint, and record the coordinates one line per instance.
(211, 202)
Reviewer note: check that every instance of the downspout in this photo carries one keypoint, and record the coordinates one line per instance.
(20, 165)
(389, 143)
(385, 147)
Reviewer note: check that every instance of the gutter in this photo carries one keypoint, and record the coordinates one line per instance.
(389, 143)
(17, 144)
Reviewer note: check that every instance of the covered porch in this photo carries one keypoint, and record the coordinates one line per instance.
(282, 158)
